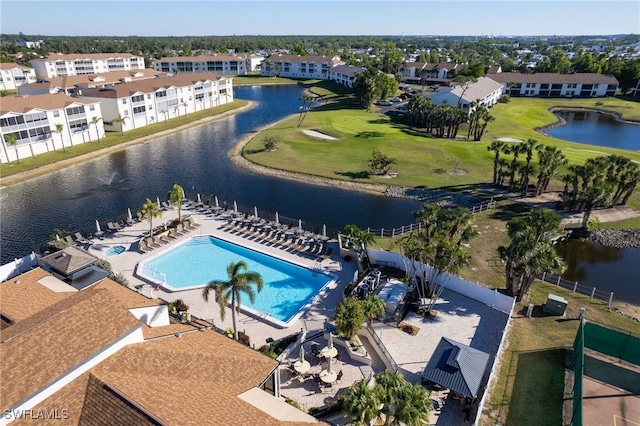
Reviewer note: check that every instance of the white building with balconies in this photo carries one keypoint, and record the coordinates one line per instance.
(137, 104)
(13, 76)
(220, 64)
(59, 65)
(32, 125)
(344, 74)
(296, 66)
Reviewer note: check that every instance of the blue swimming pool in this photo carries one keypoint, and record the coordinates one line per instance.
(115, 250)
(287, 292)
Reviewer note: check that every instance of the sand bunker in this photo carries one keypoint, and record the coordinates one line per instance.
(317, 134)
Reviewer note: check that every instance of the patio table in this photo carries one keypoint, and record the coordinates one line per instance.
(302, 366)
(328, 376)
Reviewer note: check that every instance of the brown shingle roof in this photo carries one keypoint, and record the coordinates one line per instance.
(90, 79)
(151, 85)
(318, 59)
(27, 297)
(41, 348)
(82, 56)
(553, 78)
(202, 58)
(69, 260)
(12, 65)
(128, 297)
(208, 369)
(24, 104)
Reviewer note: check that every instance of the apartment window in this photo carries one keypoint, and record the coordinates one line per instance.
(92, 108)
(139, 110)
(56, 113)
(148, 95)
(75, 111)
(124, 102)
(11, 121)
(77, 125)
(199, 97)
(38, 116)
(137, 98)
(161, 94)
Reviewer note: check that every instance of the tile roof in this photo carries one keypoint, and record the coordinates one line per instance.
(20, 300)
(553, 78)
(348, 70)
(46, 345)
(203, 58)
(82, 56)
(152, 85)
(89, 80)
(24, 104)
(12, 65)
(318, 59)
(128, 297)
(478, 90)
(205, 368)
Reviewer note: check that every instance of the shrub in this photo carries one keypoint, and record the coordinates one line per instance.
(264, 349)
(504, 99)
(120, 279)
(181, 306)
(270, 143)
(101, 263)
(599, 103)
(244, 339)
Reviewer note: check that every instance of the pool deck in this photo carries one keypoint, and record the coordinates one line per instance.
(459, 318)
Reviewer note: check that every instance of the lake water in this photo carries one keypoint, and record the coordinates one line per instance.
(103, 189)
(593, 128)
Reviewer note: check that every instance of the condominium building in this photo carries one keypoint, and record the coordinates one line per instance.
(43, 123)
(219, 63)
(296, 66)
(412, 72)
(59, 65)
(344, 74)
(76, 84)
(136, 104)
(484, 91)
(12, 76)
(553, 85)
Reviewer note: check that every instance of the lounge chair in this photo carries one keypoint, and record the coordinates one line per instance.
(151, 242)
(181, 229)
(114, 226)
(173, 233)
(158, 241)
(70, 240)
(80, 238)
(142, 245)
(166, 205)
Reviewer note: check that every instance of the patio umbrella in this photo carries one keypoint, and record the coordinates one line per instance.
(215, 200)
(57, 237)
(199, 200)
(301, 353)
(330, 345)
(255, 211)
(129, 215)
(98, 226)
(299, 223)
(235, 206)
(158, 201)
(324, 230)
(277, 219)
(329, 364)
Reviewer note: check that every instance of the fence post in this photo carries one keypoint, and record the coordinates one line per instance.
(393, 232)
(402, 230)
(473, 210)
(411, 227)
(575, 286)
(610, 300)
(368, 230)
(382, 232)
(593, 292)
(559, 278)
(544, 274)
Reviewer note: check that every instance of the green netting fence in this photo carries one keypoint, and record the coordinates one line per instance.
(624, 346)
(578, 373)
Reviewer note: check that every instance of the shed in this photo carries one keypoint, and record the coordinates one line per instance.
(457, 367)
(555, 305)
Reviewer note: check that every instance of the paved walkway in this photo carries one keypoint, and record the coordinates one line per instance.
(459, 317)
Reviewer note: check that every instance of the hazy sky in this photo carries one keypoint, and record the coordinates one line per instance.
(355, 17)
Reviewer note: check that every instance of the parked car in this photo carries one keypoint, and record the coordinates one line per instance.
(385, 103)
(396, 100)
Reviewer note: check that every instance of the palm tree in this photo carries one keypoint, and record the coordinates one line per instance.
(185, 105)
(95, 121)
(415, 407)
(149, 210)
(358, 240)
(361, 403)
(12, 141)
(166, 113)
(372, 306)
(307, 101)
(497, 147)
(389, 389)
(122, 120)
(58, 129)
(175, 196)
(231, 290)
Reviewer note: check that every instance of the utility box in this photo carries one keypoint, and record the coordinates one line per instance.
(555, 305)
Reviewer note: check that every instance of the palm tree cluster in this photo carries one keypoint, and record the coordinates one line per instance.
(392, 398)
(478, 120)
(439, 244)
(601, 182)
(550, 158)
(530, 251)
(357, 239)
(441, 120)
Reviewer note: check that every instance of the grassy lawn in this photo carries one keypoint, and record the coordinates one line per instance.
(111, 139)
(423, 161)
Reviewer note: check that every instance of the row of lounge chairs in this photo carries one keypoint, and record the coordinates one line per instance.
(282, 236)
(149, 243)
(77, 238)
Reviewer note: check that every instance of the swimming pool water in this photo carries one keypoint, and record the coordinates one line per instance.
(287, 289)
(115, 250)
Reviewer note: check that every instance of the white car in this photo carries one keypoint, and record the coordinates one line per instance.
(385, 103)
(396, 100)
